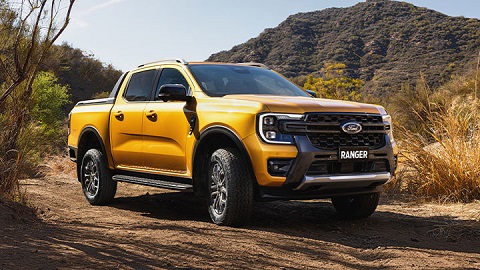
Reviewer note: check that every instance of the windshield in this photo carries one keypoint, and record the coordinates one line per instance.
(221, 80)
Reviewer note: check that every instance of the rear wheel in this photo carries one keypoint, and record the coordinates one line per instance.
(230, 188)
(97, 184)
(357, 206)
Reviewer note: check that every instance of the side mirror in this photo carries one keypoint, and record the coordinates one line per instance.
(173, 92)
(311, 93)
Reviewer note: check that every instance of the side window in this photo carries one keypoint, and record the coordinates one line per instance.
(171, 76)
(140, 86)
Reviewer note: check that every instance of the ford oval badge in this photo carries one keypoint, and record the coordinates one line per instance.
(352, 127)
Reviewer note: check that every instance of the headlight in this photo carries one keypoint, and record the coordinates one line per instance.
(387, 120)
(268, 127)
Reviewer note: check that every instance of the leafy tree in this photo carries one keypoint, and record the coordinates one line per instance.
(28, 29)
(334, 83)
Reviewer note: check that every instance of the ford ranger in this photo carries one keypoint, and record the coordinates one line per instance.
(233, 134)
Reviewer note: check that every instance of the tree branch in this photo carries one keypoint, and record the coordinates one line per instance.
(9, 91)
(36, 30)
(34, 56)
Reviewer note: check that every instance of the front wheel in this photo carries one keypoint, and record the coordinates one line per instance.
(230, 188)
(357, 206)
(96, 178)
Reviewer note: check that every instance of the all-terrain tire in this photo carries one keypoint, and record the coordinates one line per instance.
(96, 178)
(230, 188)
(357, 206)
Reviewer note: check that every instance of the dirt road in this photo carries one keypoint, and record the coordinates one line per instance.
(150, 228)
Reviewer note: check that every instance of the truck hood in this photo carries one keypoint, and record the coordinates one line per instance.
(300, 105)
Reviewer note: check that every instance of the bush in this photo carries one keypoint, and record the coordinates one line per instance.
(48, 99)
(334, 84)
(40, 135)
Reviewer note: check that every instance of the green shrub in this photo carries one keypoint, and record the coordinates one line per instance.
(48, 99)
(334, 84)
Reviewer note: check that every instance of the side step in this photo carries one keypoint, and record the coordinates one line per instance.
(151, 182)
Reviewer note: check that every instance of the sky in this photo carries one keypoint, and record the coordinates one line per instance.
(127, 33)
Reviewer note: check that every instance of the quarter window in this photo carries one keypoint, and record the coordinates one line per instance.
(140, 86)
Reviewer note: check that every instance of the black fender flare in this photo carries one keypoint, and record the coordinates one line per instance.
(93, 130)
(233, 137)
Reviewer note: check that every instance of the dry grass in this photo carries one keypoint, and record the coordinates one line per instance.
(58, 166)
(443, 164)
(438, 133)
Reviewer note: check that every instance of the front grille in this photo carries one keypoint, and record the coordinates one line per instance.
(324, 130)
(334, 141)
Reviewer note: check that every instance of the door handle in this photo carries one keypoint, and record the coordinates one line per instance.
(118, 115)
(151, 114)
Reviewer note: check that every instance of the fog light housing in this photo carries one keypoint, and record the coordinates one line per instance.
(278, 167)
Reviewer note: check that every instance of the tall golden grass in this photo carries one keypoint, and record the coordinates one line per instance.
(440, 156)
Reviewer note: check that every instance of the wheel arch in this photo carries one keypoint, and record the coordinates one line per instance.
(89, 139)
(211, 139)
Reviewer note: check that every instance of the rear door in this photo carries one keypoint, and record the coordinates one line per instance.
(166, 127)
(127, 117)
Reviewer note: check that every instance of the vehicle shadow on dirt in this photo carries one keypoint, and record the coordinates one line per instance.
(317, 220)
(169, 205)
(173, 231)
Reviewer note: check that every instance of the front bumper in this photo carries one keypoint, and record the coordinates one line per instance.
(301, 182)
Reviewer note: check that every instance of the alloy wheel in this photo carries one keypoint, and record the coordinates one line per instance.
(218, 189)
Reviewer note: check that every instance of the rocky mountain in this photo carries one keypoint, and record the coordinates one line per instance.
(385, 43)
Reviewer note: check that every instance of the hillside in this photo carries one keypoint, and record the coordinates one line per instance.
(85, 75)
(384, 43)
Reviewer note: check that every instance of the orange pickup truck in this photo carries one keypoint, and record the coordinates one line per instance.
(234, 134)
